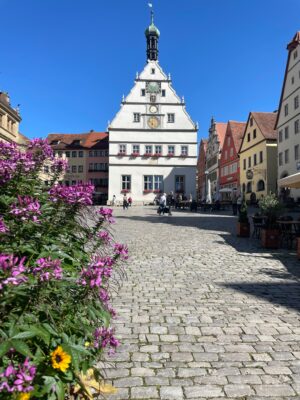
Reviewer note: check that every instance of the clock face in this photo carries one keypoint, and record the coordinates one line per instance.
(153, 109)
(153, 122)
(153, 87)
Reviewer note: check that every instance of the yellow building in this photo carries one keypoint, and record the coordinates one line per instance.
(9, 120)
(258, 156)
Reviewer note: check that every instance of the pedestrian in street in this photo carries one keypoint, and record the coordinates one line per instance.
(239, 203)
(113, 202)
(169, 203)
(162, 204)
(234, 202)
(129, 201)
(125, 202)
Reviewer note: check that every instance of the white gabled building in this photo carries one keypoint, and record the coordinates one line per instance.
(288, 122)
(152, 139)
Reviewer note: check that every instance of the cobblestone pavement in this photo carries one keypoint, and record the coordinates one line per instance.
(204, 314)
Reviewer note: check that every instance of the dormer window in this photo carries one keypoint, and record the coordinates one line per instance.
(54, 142)
(152, 71)
(76, 142)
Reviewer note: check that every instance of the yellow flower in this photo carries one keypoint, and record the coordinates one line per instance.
(87, 344)
(24, 396)
(60, 359)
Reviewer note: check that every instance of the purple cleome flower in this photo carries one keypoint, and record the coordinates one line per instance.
(99, 269)
(47, 268)
(59, 165)
(27, 209)
(40, 149)
(11, 270)
(80, 194)
(3, 227)
(18, 379)
(104, 337)
(104, 236)
(121, 250)
(107, 214)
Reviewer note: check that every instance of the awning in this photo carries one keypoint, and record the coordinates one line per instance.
(226, 190)
(291, 181)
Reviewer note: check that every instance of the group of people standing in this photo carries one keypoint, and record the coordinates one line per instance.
(127, 202)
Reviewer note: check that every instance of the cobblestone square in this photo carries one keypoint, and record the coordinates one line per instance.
(203, 314)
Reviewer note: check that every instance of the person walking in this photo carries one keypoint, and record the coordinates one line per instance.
(234, 202)
(162, 204)
(113, 202)
(239, 201)
(125, 202)
(129, 201)
(169, 203)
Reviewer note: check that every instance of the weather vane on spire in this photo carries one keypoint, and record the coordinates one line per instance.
(152, 12)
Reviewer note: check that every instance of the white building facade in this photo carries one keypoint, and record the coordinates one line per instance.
(152, 139)
(288, 120)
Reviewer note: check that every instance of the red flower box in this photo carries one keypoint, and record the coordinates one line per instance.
(157, 155)
(147, 191)
(135, 154)
(121, 154)
(170, 155)
(125, 191)
(147, 155)
(183, 155)
(157, 191)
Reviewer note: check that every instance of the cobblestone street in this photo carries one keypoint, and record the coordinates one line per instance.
(203, 314)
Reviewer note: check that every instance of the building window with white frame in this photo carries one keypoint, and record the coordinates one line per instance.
(158, 149)
(184, 151)
(74, 154)
(158, 183)
(286, 156)
(136, 149)
(296, 150)
(171, 150)
(171, 118)
(286, 110)
(136, 117)
(148, 182)
(296, 126)
(296, 102)
(148, 149)
(122, 148)
(126, 182)
(286, 132)
(180, 183)
(80, 153)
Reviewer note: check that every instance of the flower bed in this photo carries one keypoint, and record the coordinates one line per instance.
(57, 259)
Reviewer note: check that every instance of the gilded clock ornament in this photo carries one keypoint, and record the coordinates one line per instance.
(153, 122)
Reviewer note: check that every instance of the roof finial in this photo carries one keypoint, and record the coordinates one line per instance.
(152, 13)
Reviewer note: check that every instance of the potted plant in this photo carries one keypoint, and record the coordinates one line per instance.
(270, 208)
(243, 226)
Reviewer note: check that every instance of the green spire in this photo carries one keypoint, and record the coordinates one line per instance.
(152, 29)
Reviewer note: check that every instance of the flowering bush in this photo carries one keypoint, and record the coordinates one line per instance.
(58, 262)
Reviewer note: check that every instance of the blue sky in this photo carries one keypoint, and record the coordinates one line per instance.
(68, 62)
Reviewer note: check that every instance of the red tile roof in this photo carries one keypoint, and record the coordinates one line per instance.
(221, 131)
(237, 132)
(87, 140)
(266, 123)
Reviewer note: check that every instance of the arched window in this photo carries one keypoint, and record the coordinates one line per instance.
(260, 185)
(249, 187)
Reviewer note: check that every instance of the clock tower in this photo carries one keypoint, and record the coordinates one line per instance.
(152, 139)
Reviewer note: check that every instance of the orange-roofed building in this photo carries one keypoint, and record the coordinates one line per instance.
(87, 154)
(201, 167)
(215, 143)
(229, 161)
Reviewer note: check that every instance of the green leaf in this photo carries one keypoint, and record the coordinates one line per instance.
(24, 335)
(4, 347)
(50, 329)
(21, 347)
(60, 390)
(40, 332)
